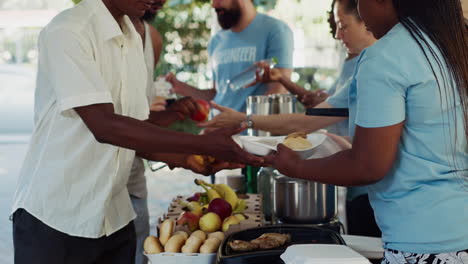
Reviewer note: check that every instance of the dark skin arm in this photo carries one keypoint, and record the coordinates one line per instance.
(372, 155)
(283, 78)
(189, 162)
(178, 110)
(185, 89)
(143, 137)
(157, 41)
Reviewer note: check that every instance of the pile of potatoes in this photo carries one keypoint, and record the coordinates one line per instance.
(180, 242)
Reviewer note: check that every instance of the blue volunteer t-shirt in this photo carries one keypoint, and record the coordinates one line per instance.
(339, 99)
(421, 205)
(233, 52)
(339, 95)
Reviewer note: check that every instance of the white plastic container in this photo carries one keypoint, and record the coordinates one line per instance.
(263, 146)
(181, 258)
(322, 254)
(369, 247)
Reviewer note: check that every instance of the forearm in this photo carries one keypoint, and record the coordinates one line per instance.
(275, 88)
(194, 92)
(284, 124)
(350, 171)
(173, 160)
(292, 87)
(163, 118)
(144, 137)
(206, 95)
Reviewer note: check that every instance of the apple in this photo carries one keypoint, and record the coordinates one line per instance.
(189, 219)
(231, 220)
(220, 207)
(210, 222)
(195, 197)
(203, 111)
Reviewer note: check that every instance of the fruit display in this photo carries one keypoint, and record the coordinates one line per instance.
(218, 208)
(181, 242)
(197, 224)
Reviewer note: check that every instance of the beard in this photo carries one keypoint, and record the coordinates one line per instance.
(229, 18)
(149, 16)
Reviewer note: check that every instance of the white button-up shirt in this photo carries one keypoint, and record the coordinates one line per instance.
(70, 181)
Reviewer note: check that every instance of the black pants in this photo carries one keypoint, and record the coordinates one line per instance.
(360, 217)
(38, 243)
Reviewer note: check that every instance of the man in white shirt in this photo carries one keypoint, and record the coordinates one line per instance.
(152, 47)
(72, 204)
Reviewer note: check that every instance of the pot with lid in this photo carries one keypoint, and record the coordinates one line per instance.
(297, 201)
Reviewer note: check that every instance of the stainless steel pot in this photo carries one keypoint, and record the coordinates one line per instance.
(298, 201)
(269, 105)
(257, 105)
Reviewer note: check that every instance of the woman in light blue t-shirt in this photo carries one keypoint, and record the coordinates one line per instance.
(408, 103)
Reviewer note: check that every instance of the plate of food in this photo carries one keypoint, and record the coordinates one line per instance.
(302, 143)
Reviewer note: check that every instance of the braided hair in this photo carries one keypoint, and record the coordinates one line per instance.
(443, 22)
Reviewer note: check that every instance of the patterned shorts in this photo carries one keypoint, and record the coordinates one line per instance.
(398, 257)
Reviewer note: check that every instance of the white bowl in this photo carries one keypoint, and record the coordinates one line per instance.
(181, 258)
(263, 146)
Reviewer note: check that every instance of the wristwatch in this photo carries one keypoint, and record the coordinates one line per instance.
(249, 121)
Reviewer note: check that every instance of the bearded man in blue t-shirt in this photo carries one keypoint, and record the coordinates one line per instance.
(246, 37)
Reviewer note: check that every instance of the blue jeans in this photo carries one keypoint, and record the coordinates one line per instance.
(140, 205)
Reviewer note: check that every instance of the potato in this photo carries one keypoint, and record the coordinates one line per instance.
(200, 234)
(183, 233)
(174, 244)
(152, 245)
(165, 231)
(297, 143)
(211, 245)
(192, 245)
(219, 235)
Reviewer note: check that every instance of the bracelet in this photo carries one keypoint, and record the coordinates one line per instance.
(249, 121)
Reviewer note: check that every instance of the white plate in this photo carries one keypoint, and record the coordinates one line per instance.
(369, 247)
(263, 146)
(181, 258)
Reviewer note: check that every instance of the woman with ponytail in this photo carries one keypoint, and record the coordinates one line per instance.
(408, 104)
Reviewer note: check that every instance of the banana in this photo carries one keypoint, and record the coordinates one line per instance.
(212, 194)
(240, 207)
(193, 207)
(226, 192)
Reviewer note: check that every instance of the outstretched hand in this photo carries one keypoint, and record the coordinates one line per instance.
(285, 160)
(185, 106)
(178, 87)
(226, 118)
(225, 148)
(265, 74)
(208, 168)
(312, 98)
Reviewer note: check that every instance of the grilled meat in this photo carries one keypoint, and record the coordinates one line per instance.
(271, 240)
(265, 241)
(241, 245)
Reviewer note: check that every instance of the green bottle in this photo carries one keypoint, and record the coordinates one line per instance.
(251, 179)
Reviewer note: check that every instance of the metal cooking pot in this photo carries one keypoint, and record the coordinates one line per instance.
(298, 201)
(257, 105)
